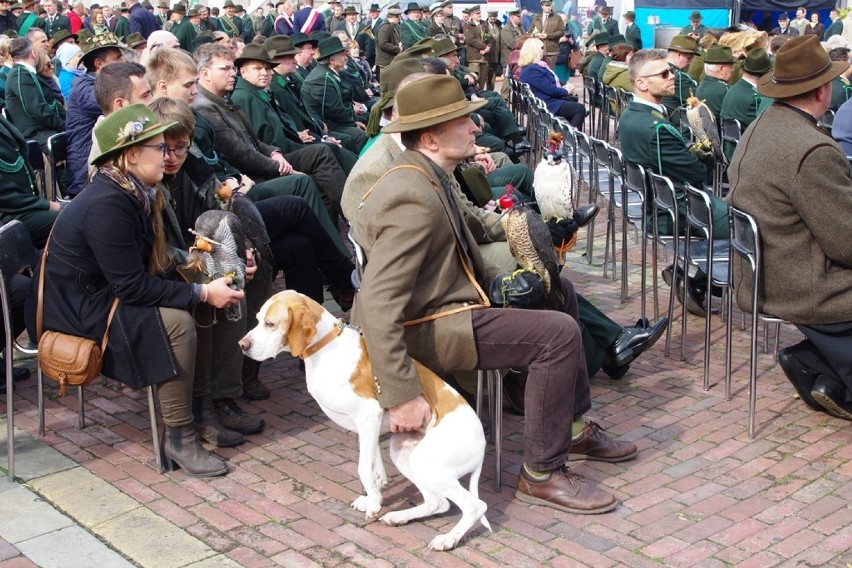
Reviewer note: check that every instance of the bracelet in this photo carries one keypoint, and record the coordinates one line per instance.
(205, 293)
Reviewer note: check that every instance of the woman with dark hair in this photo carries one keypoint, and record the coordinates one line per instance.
(109, 243)
(561, 101)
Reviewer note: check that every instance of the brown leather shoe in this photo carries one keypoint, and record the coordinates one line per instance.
(566, 491)
(594, 444)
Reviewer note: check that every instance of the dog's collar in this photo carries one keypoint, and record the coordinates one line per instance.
(338, 328)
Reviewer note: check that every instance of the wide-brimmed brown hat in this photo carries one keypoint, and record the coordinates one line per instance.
(683, 44)
(801, 65)
(443, 46)
(254, 52)
(134, 40)
(757, 62)
(59, 37)
(430, 101)
(695, 16)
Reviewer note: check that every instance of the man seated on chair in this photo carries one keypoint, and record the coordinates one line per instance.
(422, 297)
(650, 140)
(801, 208)
(607, 345)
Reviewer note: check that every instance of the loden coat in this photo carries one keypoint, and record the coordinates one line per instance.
(414, 270)
(801, 206)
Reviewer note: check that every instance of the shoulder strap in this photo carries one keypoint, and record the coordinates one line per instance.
(484, 301)
(40, 304)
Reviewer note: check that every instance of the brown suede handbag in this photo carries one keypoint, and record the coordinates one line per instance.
(65, 358)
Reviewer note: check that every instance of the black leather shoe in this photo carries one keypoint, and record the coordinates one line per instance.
(633, 341)
(831, 395)
(584, 215)
(522, 146)
(695, 297)
(802, 376)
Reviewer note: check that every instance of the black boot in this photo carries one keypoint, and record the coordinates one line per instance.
(235, 418)
(209, 427)
(182, 448)
(253, 389)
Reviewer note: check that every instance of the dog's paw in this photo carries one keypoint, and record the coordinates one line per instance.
(368, 506)
(443, 542)
(394, 519)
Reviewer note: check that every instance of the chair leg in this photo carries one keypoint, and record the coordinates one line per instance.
(497, 430)
(729, 327)
(155, 433)
(40, 379)
(81, 411)
(10, 414)
(777, 338)
(707, 320)
(752, 386)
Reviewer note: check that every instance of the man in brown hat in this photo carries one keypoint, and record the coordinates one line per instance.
(479, 44)
(388, 40)
(423, 291)
(801, 206)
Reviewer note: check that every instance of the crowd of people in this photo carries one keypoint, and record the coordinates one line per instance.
(307, 125)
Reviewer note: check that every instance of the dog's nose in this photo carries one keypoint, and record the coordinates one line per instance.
(245, 343)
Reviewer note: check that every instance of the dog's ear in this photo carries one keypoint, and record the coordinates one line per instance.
(302, 328)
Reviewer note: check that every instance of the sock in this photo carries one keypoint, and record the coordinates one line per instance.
(537, 475)
(577, 428)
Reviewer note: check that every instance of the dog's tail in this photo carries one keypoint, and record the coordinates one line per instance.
(474, 490)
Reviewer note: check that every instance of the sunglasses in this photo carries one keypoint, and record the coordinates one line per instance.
(662, 74)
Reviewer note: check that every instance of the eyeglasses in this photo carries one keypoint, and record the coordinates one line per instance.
(662, 74)
(226, 68)
(179, 151)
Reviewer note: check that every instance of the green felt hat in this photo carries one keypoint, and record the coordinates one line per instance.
(126, 127)
(279, 46)
(599, 38)
(683, 44)
(330, 46)
(757, 62)
(719, 54)
(254, 52)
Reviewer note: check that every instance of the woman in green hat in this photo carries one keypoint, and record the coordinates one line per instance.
(109, 243)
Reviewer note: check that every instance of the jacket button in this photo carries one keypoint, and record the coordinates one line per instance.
(90, 288)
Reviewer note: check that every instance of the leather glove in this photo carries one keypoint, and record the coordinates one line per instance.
(521, 289)
(701, 152)
(562, 229)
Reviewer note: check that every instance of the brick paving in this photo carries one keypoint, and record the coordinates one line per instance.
(700, 492)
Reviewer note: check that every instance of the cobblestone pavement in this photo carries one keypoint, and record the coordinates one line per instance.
(700, 492)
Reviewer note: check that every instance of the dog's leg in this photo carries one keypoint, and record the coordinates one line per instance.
(401, 448)
(473, 509)
(369, 455)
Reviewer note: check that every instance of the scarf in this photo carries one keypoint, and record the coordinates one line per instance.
(143, 192)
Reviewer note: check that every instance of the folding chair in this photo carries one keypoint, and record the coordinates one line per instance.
(745, 243)
(17, 254)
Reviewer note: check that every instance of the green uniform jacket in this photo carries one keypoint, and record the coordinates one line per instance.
(411, 32)
(602, 68)
(122, 28)
(712, 91)
(633, 36)
(651, 141)
(258, 107)
(741, 103)
(17, 198)
(294, 114)
(593, 67)
(836, 28)
(700, 30)
(230, 26)
(33, 110)
(684, 88)
(330, 97)
(840, 91)
(185, 32)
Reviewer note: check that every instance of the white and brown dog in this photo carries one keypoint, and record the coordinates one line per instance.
(340, 378)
